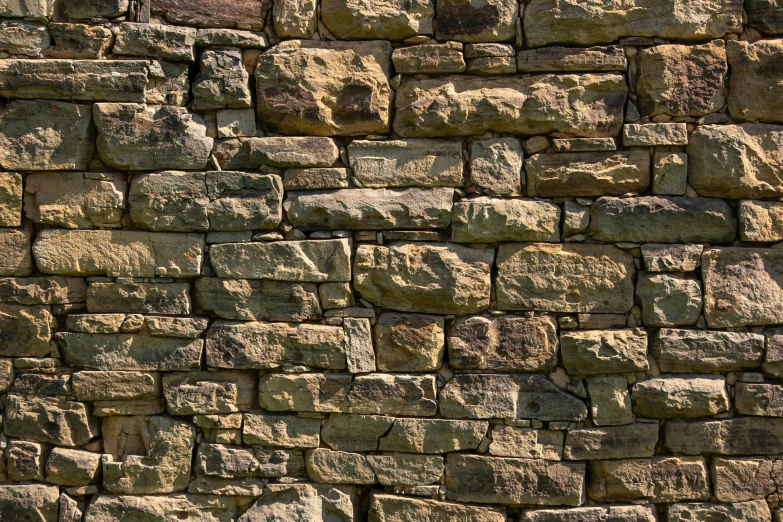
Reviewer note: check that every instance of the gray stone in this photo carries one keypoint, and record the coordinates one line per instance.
(256, 300)
(706, 351)
(617, 442)
(737, 436)
(46, 419)
(491, 220)
(554, 59)
(669, 397)
(406, 163)
(496, 166)
(668, 299)
(166, 42)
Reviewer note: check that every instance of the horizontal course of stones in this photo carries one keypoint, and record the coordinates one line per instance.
(391, 260)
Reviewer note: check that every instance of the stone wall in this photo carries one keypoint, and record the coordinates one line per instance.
(391, 260)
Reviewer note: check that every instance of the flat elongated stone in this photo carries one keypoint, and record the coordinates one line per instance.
(37, 502)
(548, 22)
(737, 436)
(312, 261)
(150, 137)
(276, 151)
(587, 173)
(130, 352)
(128, 508)
(256, 300)
(355, 76)
(283, 431)
(370, 209)
(157, 40)
(139, 298)
(409, 342)
(603, 351)
(490, 220)
(755, 511)
(514, 481)
(736, 161)
(48, 419)
(759, 399)
(26, 331)
(305, 503)
(754, 72)
(118, 253)
(424, 277)
(564, 278)
(584, 105)
(433, 435)
(505, 343)
(662, 219)
(46, 135)
(593, 514)
(706, 351)
(385, 20)
(404, 163)
(390, 508)
(553, 59)
(669, 397)
(616, 442)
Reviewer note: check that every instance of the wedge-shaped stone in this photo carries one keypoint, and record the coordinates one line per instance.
(487, 396)
(46, 135)
(491, 220)
(741, 287)
(256, 345)
(564, 278)
(118, 253)
(304, 503)
(528, 443)
(759, 399)
(312, 261)
(587, 173)
(26, 331)
(659, 479)
(616, 442)
(405, 163)
(604, 351)
(205, 393)
(507, 343)
(385, 20)
(281, 431)
(150, 137)
(139, 298)
(15, 259)
(409, 342)
(736, 161)
(390, 508)
(429, 278)
(75, 199)
(325, 88)
(47, 419)
(706, 351)
(743, 479)
(35, 502)
(572, 22)
(514, 481)
(755, 511)
(276, 151)
(433, 436)
(593, 514)
(553, 59)
(738, 436)
(256, 300)
(103, 80)
(755, 75)
(206, 508)
(112, 352)
(584, 105)
(662, 219)
(670, 397)
(156, 40)
(370, 209)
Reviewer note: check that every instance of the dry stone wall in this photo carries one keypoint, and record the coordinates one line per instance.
(391, 260)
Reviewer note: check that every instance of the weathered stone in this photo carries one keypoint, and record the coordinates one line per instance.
(670, 397)
(603, 351)
(662, 219)
(256, 300)
(26, 331)
(166, 42)
(743, 479)
(150, 137)
(587, 173)
(754, 74)
(69, 467)
(617, 442)
(406, 470)
(592, 514)
(15, 259)
(79, 41)
(122, 508)
(101, 386)
(738, 436)
(35, 502)
(496, 166)
(671, 258)
(761, 221)
(432, 436)
(194, 393)
(276, 151)
(389, 508)
(765, 15)
(514, 481)
(759, 399)
(405, 163)
(507, 343)
(491, 220)
(527, 443)
(548, 22)
(424, 277)
(553, 59)
(355, 76)
(118, 253)
(682, 80)
(130, 352)
(312, 261)
(46, 135)
(736, 161)
(295, 18)
(315, 178)
(463, 20)
(222, 81)
(75, 199)
(670, 173)
(706, 351)
(338, 467)
(756, 511)
(386, 20)
(23, 38)
(347, 432)
(429, 58)
(584, 105)
(668, 299)
(139, 298)
(487, 396)
(304, 503)
(282, 431)
(564, 278)
(610, 403)
(47, 419)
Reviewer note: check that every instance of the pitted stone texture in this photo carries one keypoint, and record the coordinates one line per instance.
(755, 74)
(429, 278)
(706, 351)
(390, 508)
(471, 21)
(325, 89)
(564, 278)
(584, 105)
(406, 163)
(491, 220)
(382, 20)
